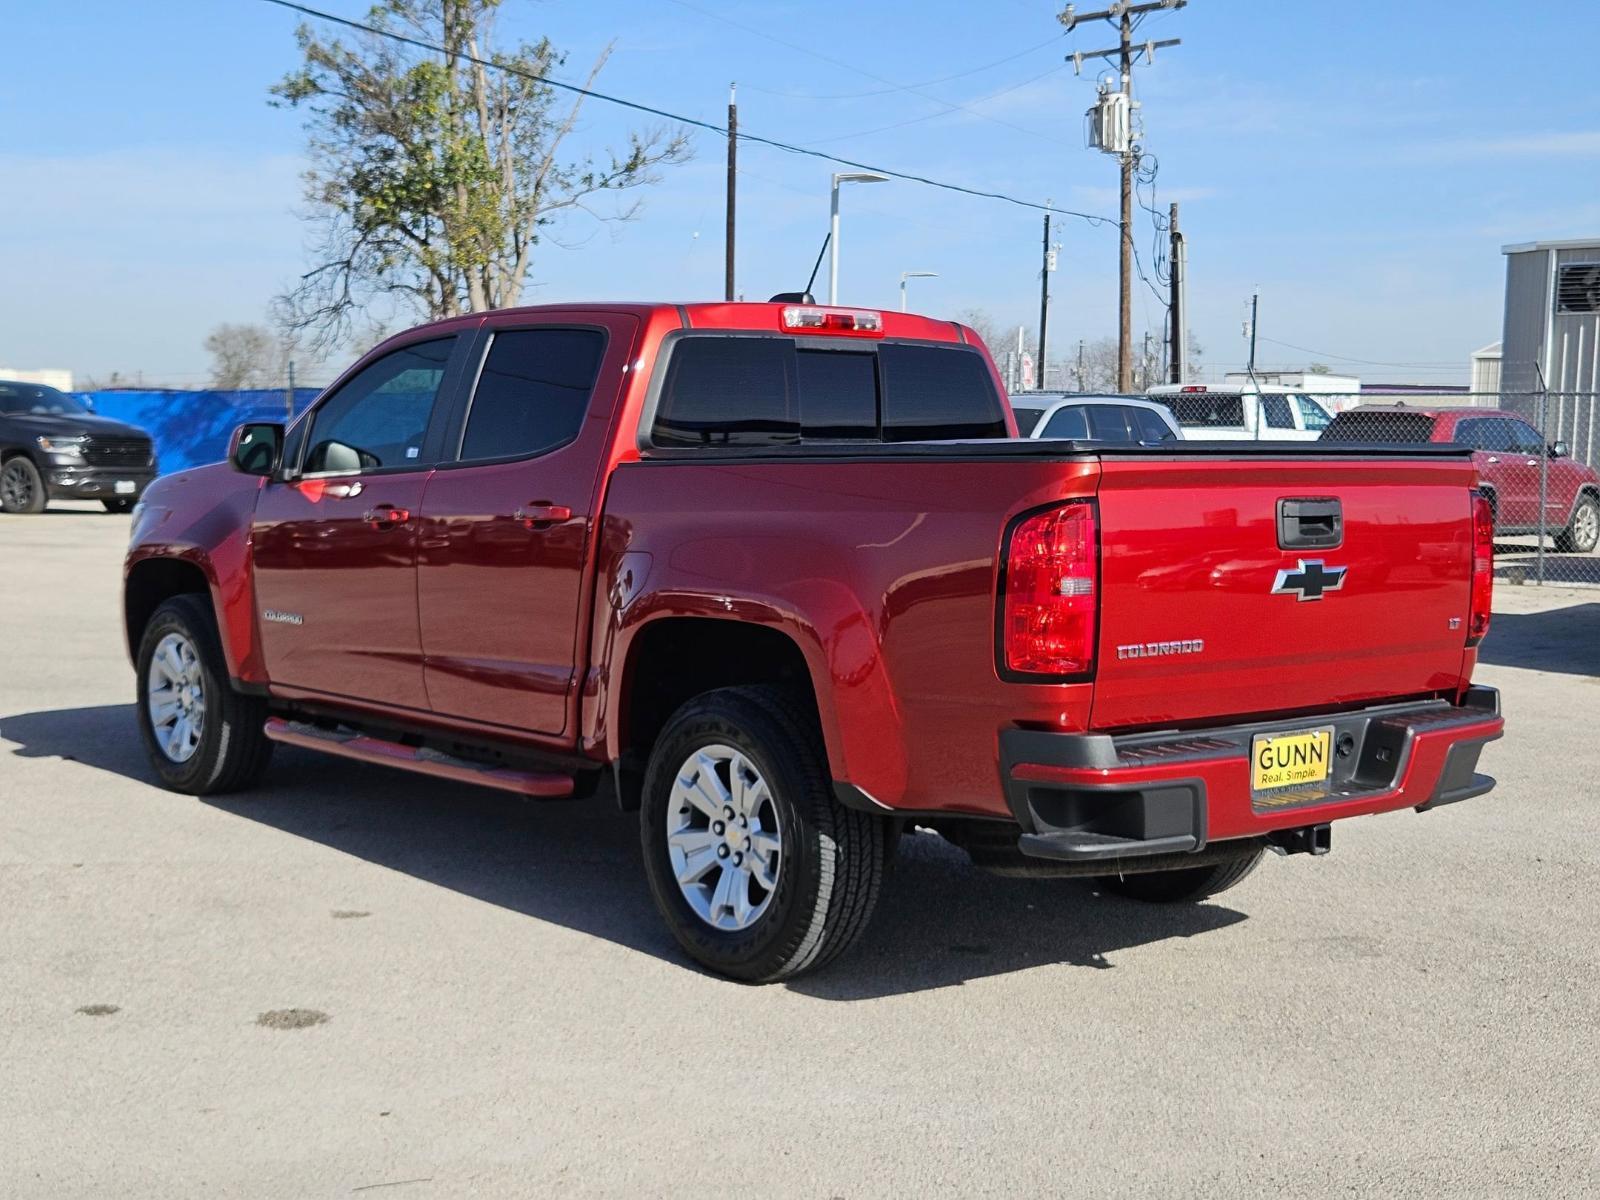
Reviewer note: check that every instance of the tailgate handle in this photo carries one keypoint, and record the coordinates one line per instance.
(1310, 523)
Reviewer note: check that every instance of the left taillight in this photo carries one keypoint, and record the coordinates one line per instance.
(1050, 591)
(1482, 568)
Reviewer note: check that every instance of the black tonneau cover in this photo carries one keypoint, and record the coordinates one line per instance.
(1048, 448)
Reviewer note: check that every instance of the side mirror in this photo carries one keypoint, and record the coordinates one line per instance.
(256, 448)
(88, 402)
(1560, 450)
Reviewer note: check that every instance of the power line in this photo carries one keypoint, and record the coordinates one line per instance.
(434, 48)
(999, 62)
(934, 116)
(839, 62)
(1366, 362)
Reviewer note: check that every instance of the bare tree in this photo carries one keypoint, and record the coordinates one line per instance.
(435, 179)
(244, 356)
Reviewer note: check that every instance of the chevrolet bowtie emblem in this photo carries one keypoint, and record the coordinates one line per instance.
(1309, 580)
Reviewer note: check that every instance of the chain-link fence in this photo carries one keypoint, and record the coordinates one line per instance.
(1537, 454)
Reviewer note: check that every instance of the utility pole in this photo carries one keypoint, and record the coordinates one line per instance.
(1178, 357)
(1255, 302)
(1080, 364)
(733, 182)
(1145, 360)
(1114, 134)
(288, 396)
(1048, 265)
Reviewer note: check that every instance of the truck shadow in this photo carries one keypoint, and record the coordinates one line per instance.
(940, 923)
(1564, 640)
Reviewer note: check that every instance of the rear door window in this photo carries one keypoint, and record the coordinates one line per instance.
(533, 392)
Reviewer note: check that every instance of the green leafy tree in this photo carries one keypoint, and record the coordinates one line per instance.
(434, 180)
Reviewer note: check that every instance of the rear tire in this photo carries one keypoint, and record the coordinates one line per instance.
(203, 737)
(1185, 885)
(21, 487)
(1582, 533)
(824, 862)
(118, 506)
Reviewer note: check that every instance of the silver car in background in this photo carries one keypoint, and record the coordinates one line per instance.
(1086, 417)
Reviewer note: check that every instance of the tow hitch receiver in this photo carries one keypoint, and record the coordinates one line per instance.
(1308, 839)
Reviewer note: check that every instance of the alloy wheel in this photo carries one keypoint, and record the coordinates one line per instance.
(724, 838)
(16, 487)
(1586, 527)
(175, 696)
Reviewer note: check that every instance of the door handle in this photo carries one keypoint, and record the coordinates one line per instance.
(1493, 459)
(386, 516)
(534, 515)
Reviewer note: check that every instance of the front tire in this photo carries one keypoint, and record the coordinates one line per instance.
(1184, 885)
(203, 737)
(757, 870)
(1582, 533)
(21, 487)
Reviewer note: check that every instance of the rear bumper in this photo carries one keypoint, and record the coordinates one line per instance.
(1095, 797)
(96, 483)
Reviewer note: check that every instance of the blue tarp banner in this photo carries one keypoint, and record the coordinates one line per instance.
(192, 428)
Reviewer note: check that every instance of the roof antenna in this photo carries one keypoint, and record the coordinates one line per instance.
(805, 297)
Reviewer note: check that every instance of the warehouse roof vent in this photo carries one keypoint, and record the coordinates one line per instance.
(1578, 288)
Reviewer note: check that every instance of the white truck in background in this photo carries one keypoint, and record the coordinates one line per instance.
(1230, 413)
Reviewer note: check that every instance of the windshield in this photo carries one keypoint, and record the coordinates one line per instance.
(36, 399)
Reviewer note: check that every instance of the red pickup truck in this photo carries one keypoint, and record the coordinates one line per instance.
(1514, 465)
(783, 578)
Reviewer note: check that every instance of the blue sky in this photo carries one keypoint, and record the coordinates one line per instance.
(1362, 163)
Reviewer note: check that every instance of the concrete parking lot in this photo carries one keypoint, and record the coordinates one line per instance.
(356, 980)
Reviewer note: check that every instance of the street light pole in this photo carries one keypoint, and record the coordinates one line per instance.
(905, 275)
(833, 224)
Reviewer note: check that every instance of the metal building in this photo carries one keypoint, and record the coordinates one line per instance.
(1550, 349)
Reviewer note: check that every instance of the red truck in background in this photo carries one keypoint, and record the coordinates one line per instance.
(783, 578)
(1515, 466)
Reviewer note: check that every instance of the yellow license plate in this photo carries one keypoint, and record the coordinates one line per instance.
(1283, 760)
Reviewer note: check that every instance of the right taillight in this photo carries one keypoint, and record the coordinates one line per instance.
(1482, 568)
(1048, 604)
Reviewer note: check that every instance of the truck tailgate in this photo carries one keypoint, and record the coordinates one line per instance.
(1191, 629)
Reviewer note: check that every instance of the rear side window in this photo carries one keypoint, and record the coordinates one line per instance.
(1207, 409)
(533, 392)
(1027, 418)
(931, 393)
(1381, 425)
(731, 391)
(1068, 423)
